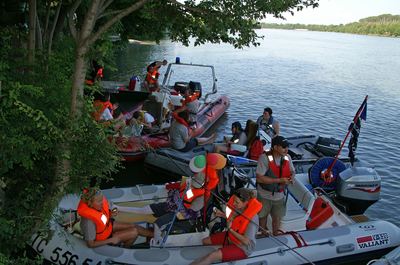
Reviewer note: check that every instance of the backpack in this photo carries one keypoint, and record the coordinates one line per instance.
(256, 149)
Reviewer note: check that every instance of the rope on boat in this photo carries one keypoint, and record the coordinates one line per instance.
(273, 238)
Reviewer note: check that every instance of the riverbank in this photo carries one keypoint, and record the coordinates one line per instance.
(384, 25)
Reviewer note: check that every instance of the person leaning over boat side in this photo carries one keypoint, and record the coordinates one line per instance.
(239, 137)
(192, 104)
(179, 133)
(274, 171)
(151, 80)
(268, 123)
(239, 241)
(98, 226)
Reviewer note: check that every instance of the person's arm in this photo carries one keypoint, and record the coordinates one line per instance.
(242, 238)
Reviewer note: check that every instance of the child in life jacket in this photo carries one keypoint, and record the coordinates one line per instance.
(239, 240)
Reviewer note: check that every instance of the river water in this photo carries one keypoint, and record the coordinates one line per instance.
(314, 82)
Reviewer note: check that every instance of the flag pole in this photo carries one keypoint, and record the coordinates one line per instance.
(326, 174)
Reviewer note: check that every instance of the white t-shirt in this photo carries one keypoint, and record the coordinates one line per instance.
(106, 115)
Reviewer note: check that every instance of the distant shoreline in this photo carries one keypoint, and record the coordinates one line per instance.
(384, 25)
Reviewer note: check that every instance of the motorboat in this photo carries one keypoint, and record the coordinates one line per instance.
(304, 150)
(134, 143)
(392, 258)
(316, 229)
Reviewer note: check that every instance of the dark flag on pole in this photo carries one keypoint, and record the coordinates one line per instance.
(355, 128)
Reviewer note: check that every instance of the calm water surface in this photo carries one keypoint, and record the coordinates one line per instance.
(314, 82)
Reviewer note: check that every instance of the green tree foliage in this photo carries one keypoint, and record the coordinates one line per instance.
(49, 143)
(34, 113)
(383, 25)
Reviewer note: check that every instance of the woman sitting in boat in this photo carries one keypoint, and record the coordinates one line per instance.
(239, 138)
(239, 241)
(97, 223)
(179, 133)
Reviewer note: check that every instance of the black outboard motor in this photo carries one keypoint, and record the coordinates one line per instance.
(357, 189)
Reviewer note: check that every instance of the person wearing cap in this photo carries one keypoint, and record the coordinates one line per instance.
(239, 138)
(97, 223)
(268, 123)
(239, 240)
(274, 171)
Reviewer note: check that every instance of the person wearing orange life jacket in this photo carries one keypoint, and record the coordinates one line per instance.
(98, 226)
(192, 196)
(239, 241)
(274, 171)
(151, 80)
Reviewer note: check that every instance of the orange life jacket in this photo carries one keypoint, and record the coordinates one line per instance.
(191, 97)
(240, 222)
(190, 195)
(151, 77)
(99, 107)
(275, 171)
(100, 218)
(179, 119)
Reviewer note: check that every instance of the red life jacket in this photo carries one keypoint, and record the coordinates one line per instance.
(100, 218)
(274, 171)
(256, 149)
(179, 119)
(240, 222)
(190, 195)
(191, 98)
(151, 77)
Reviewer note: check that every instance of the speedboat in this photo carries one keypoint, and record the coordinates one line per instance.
(134, 146)
(392, 258)
(317, 230)
(304, 150)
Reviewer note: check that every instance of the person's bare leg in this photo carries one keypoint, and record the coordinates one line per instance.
(206, 140)
(276, 225)
(263, 225)
(210, 258)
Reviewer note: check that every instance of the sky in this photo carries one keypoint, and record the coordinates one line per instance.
(341, 12)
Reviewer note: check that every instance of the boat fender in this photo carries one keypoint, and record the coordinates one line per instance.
(320, 212)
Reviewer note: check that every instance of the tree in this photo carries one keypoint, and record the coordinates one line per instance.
(53, 128)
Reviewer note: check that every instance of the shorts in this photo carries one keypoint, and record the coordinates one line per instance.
(230, 252)
(189, 145)
(275, 208)
(159, 209)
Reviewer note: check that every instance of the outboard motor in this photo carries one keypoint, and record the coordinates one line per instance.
(357, 189)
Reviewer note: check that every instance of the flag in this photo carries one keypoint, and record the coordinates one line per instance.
(355, 128)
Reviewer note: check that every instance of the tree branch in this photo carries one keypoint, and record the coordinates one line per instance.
(104, 7)
(71, 13)
(115, 19)
(190, 8)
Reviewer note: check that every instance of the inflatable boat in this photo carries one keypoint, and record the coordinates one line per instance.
(305, 150)
(134, 146)
(317, 231)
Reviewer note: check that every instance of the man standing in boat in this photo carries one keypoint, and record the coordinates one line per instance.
(151, 80)
(274, 171)
(268, 123)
